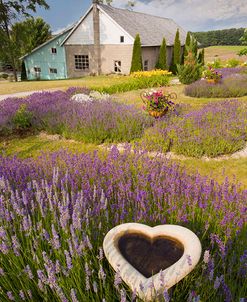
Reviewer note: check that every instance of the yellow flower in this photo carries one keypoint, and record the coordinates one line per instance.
(150, 73)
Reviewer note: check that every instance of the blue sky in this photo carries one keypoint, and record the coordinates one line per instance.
(193, 15)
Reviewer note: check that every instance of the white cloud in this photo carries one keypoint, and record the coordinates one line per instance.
(195, 14)
(61, 29)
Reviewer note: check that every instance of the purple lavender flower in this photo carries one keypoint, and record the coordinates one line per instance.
(10, 296)
(73, 295)
(68, 260)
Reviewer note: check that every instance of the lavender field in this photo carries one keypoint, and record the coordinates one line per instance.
(56, 208)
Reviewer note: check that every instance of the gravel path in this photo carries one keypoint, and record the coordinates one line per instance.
(23, 94)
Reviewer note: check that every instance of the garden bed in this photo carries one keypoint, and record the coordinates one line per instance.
(233, 84)
(94, 121)
(216, 129)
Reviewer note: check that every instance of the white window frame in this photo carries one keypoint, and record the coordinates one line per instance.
(117, 66)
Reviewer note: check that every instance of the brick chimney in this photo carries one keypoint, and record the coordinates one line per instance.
(96, 31)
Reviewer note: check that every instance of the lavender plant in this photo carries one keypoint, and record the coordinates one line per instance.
(56, 209)
(218, 128)
(95, 122)
(232, 85)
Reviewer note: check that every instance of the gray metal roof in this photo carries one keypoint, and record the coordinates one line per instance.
(152, 29)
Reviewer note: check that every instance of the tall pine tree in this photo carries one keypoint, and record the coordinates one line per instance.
(176, 57)
(161, 64)
(136, 63)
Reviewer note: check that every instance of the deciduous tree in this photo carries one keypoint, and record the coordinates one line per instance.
(9, 10)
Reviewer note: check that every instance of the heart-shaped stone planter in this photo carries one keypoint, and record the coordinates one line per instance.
(151, 259)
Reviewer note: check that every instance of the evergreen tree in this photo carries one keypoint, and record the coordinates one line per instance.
(187, 43)
(201, 57)
(161, 64)
(136, 63)
(23, 72)
(176, 57)
(195, 46)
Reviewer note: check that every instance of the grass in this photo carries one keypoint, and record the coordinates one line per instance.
(234, 169)
(89, 81)
(223, 53)
(33, 146)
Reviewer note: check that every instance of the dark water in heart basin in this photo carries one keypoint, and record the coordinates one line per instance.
(147, 255)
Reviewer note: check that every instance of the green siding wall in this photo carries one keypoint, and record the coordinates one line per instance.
(44, 59)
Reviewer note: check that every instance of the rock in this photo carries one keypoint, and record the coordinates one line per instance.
(81, 98)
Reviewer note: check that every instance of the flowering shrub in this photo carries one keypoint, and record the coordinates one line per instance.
(95, 122)
(56, 209)
(231, 86)
(156, 100)
(211, 74)
(150, 73)
(218, 128)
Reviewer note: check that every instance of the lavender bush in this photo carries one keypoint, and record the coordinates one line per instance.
(231, 86)
(95, 122)
(56, 209)
(218, 128)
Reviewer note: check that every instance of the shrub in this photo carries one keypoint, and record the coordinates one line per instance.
(190, 71)
(136, 63)
(233, 63)
(4, 76)
(231, 86)
(188, 74)
(22, 119)
(217, 63)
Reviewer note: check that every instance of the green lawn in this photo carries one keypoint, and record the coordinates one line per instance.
(89, 81)
(223, 53)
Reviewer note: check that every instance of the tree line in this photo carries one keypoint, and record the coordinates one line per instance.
(230, 36)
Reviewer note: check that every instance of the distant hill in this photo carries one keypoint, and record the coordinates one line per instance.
(219, 37)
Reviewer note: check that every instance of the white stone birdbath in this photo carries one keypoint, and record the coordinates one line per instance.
(143, 255)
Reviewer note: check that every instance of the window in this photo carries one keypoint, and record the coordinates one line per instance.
(121, 39)
(53, 70)
(53, 50)
(37, 69)
(81, 62)
(117, 66)
(145, 65)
